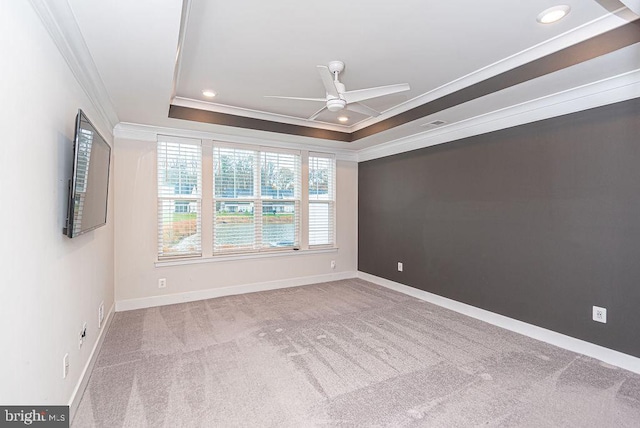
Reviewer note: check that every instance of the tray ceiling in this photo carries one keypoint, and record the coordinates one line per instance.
(153, 55)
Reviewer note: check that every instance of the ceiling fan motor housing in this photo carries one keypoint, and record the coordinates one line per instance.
(336, 67)
(336, 104)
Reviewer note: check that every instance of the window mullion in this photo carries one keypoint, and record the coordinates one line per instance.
(258, 202)
(303, 224)
(207, 198)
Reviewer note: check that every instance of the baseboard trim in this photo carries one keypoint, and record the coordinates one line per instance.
(88, 368)
(192, 296)
(560, 340)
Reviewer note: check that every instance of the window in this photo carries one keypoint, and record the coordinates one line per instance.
(256, 199)
(321, 199)
(179, 197)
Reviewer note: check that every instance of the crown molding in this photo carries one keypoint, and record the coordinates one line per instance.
(633, 5)
(586, 31)
(594, 28)
(256, 114)
(149, 133)
(606, 91)
(59, 20)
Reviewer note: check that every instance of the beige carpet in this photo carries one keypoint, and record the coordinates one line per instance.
(345, 353)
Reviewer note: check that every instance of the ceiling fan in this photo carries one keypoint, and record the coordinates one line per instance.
(338, 98)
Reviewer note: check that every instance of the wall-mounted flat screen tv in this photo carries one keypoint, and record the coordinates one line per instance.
(89, 184)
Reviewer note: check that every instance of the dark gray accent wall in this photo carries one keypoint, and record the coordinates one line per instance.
(538, 222)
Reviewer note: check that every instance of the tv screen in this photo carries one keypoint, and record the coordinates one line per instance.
(89, 184)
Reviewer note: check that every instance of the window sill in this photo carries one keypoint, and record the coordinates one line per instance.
(234, 257)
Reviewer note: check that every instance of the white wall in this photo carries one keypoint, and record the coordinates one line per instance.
(136, 240)
(51, 284)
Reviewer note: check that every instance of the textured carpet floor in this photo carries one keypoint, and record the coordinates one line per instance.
(346, 353)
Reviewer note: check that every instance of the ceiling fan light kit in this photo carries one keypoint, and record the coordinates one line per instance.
(336, 104)
(337, 97)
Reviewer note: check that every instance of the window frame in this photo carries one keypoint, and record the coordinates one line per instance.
(259, 200)
(162, 199)
(206, 212)
(330, 201)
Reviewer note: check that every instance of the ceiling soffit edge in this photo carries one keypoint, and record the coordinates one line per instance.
(577, 53)
(212, 117)
(607, 91)
(184, 22)
(612, 90)
(575, 35)
(256, 114)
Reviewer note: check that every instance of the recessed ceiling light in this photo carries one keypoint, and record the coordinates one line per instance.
(553, 14)
(343, 118)
(208, 93)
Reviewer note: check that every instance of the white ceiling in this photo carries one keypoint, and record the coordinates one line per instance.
(246, 50)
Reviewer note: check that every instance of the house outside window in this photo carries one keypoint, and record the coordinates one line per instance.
(256, 198)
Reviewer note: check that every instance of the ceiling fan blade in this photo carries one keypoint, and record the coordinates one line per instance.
(316, 114)
(365, 94)
(363, 109)
(327, 81)
(324, 100)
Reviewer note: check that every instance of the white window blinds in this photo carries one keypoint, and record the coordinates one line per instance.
(179, 197)
(321, 199)
(280, 192)
(234, 199)
(256, 200)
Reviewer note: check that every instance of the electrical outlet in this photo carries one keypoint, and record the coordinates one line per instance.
(65, 365)
(400, 267)
(333, 264)
(600, 314)
(83, 335)
(162, 283)
(100, 314)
